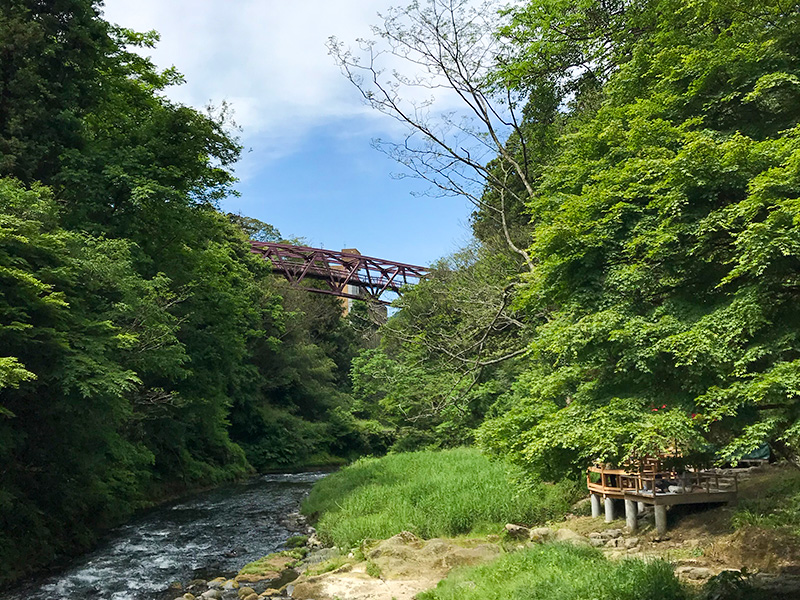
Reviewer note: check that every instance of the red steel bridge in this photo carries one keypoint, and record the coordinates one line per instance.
(347, 274)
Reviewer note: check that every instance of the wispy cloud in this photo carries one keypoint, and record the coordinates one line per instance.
(266, 58)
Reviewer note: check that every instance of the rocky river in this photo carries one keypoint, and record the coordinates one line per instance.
(209, 534)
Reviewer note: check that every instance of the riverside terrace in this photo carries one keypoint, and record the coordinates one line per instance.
(649, 484)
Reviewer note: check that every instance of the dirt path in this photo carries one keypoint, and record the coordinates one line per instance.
(397, 568)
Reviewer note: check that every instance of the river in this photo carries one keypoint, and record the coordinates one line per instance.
(209, 534)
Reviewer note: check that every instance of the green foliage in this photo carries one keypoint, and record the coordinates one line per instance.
(68, 306)
(297, 541)
(139, 334)
(430, 493)
(560, 572)
(732, 585)
(438, 367)
(775, 505)
(665, 239)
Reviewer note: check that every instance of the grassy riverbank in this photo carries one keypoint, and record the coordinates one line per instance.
(431, 494)
(560, 572)
(459, 492)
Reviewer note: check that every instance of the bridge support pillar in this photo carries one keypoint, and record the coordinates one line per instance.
(640, 507)
(631, 515)
(609, 502)
(661, 519)
(595, 499)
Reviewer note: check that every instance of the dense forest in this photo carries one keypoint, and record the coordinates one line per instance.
(632, 285)
(145, 351)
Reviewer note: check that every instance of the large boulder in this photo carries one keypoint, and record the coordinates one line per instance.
(570, 537)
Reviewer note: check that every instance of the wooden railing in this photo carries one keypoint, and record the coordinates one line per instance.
(616, 481)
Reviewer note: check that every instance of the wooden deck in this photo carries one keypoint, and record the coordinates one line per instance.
(649, 484)
(662, 487)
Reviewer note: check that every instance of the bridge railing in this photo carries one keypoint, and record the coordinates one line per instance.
(373, 276)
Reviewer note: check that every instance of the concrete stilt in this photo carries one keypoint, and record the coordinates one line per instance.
(595, 499)
(631, 514)
(640, 507)
(609, 510)
(661, 519)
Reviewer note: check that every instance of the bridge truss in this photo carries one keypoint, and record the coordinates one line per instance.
(347, 275)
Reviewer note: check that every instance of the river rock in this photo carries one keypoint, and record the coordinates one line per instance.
(196, 585)
(517, 532)
(252, 596)
(541, 534)
(321, 555)
(216, 583)
(694, 573)
(214, 594)
(571, 537)
(245, 591)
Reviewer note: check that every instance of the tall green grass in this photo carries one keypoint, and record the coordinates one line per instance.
(560, 572)
(432, 494)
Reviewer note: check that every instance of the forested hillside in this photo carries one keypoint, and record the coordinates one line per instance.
(633, 284)
(631, 287)
(143, 350)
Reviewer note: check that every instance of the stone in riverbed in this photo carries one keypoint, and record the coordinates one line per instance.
(195, 585)
(245, 591)
(214, 594)
(230, 584)
(216, 583)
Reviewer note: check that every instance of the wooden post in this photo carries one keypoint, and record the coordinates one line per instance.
(631, 514)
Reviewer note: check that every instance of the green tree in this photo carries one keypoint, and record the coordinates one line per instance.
(666, 238)
(75, 319)
(50, 53)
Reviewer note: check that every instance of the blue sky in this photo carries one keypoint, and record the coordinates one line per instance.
(308, 167)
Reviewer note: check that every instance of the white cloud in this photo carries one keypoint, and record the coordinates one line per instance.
(267, 59)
